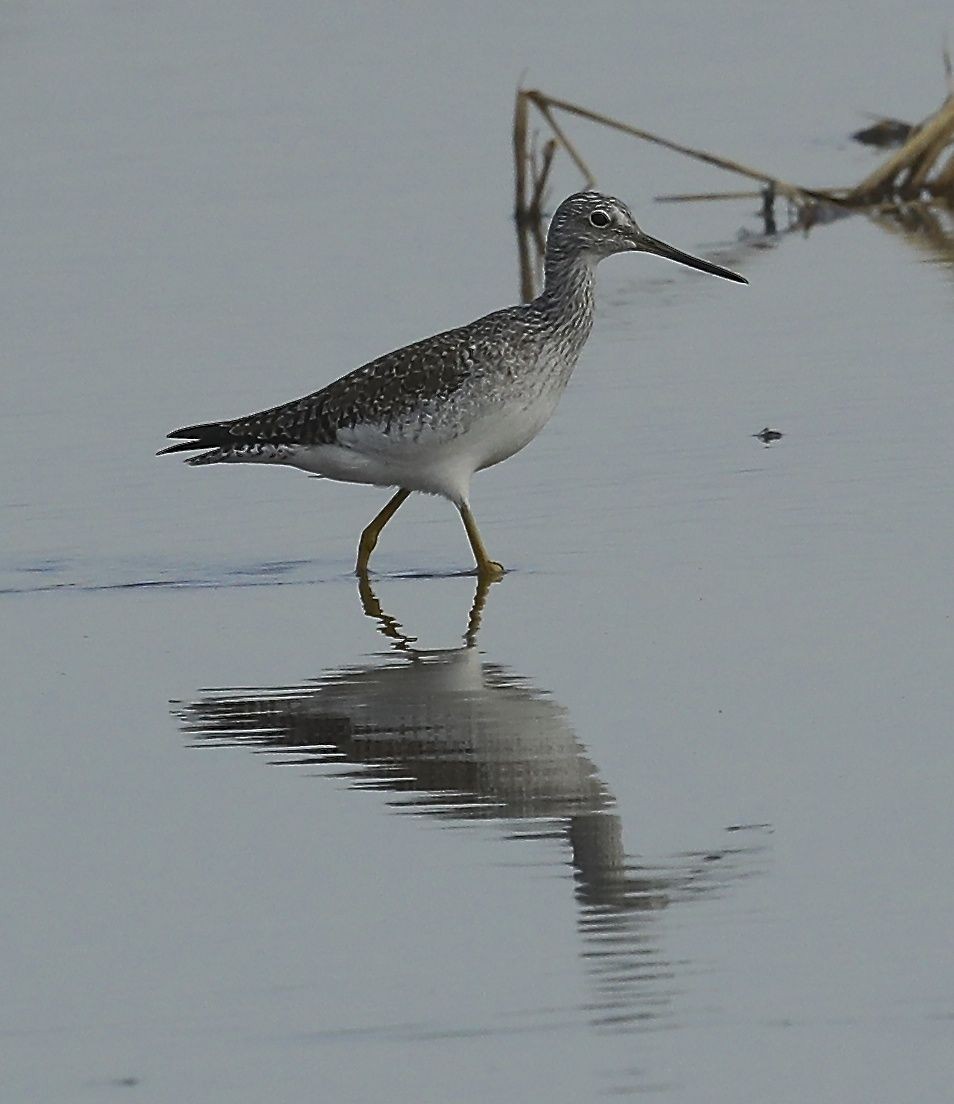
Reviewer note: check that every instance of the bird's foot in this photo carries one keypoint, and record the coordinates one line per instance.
(365, 548)
(490, 571)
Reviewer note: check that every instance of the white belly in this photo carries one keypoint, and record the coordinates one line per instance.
(438, 459)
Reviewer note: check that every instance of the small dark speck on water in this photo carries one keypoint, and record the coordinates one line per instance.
(768, 436)
(124, 1082)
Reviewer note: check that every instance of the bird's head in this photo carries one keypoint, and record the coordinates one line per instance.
(601, 225)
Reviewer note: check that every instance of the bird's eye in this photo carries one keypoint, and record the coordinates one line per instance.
(599, 218)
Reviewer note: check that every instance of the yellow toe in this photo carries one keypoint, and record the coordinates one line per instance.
(490, 570)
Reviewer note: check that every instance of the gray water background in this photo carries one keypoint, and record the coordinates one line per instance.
(680, 824)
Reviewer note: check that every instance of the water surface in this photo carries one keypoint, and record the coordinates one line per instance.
(674, 818)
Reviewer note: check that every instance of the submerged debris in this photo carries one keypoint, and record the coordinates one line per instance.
(768, 436)
(885, 133)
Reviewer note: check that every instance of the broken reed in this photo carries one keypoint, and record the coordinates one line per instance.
(921, 170)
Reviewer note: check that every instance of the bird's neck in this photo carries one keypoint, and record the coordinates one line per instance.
(568, 289)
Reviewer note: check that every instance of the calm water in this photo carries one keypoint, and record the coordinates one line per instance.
(666, 811)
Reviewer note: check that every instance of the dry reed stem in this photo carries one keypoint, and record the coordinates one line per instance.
(520, 156)
(918, 173)
(702, 197)
(541, 177)
(544, 103)
(904, 175)
(544, 109)
(943, 182)
(932, 135)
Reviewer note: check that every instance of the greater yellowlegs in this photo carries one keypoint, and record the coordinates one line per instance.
(428, 416)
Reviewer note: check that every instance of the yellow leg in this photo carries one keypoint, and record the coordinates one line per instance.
(486, 567)
(369, 538)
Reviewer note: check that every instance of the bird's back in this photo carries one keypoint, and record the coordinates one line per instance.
(446, 378)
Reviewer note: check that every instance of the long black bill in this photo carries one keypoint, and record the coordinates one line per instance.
(653, 245)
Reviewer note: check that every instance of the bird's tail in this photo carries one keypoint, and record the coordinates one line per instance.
(212, 436)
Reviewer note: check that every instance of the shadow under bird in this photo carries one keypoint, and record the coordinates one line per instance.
(428, 416)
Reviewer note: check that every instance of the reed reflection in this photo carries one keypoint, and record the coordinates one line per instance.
(929, 229)
(447, 734)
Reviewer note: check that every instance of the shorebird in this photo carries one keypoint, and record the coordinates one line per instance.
(428, 416)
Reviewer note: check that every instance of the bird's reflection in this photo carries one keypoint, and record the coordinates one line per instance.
(448, 734)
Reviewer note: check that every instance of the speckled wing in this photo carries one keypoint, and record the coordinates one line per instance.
(376, 393)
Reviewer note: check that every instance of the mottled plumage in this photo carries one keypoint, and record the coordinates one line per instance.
(429, 415)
